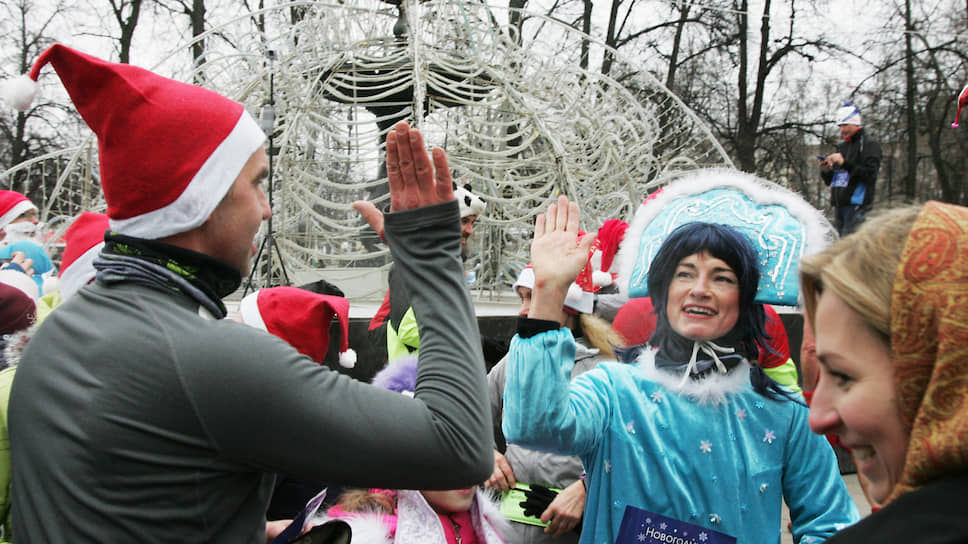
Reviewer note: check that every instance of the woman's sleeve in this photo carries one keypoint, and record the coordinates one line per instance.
(813, 488)
(542, 408)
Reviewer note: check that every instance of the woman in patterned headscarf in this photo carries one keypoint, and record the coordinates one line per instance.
(890, 310)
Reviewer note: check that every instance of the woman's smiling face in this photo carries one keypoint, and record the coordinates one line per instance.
(856, 398)
(703, 297)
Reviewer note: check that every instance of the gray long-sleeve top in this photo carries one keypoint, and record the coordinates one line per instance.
(132, 418)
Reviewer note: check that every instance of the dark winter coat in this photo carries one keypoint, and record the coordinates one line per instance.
(862, 161)
(933, 514)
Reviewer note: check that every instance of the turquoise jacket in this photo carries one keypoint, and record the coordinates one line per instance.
(714, 454)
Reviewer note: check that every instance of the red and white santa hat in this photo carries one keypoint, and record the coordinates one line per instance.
(962, 102)
(301, 318)
(598, 271)
(83, 241)
(168, 151)
(12, 206)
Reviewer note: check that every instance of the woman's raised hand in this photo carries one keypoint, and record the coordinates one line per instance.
(557, 257)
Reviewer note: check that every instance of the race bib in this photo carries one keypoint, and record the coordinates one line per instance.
(841, 177)
(643, 527)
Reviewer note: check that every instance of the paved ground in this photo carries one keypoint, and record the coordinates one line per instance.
(852, 486)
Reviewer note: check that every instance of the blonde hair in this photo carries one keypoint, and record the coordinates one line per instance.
(365, 500)
(600, 334)
(860, 268)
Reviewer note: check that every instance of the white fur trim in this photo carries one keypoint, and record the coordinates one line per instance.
(21, 281)
(368, 530)
(79, 273)
(19, 92)
(818, 232)
(487, 509)
(713, 389)
(249, 310)
(15, 212)
(347, 359)
(417, 523)
(203, 194)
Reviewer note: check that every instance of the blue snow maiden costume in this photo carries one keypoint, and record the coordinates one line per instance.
(691, 430)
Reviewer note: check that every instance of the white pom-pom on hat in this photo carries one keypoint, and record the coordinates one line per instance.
(19, 92)
(347, 359)
(602, 279)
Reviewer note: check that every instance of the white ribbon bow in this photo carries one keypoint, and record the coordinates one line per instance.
(710, 349)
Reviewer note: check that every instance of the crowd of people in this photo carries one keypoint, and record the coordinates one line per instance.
(133, 408)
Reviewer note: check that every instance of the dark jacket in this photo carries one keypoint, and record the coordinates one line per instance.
(933, 514)
(862, 161)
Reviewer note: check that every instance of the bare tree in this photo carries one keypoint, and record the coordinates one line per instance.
(126, 14)
(911, 91)
(916, 84)
(47, 124)
(773, 47)
(196, 13)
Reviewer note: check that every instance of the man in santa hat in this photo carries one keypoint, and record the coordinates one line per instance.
(138, 414)
(18, 217)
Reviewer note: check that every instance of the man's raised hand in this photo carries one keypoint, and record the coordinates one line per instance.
(414, 181)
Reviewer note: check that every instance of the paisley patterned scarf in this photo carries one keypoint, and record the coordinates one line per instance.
(929, 336)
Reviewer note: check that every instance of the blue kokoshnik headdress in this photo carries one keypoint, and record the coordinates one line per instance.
(780, 224)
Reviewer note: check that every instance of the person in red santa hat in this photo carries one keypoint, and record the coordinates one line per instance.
(83, 241)
(18, 217)
(139, 414)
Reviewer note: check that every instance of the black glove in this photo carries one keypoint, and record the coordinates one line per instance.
(537, 500)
